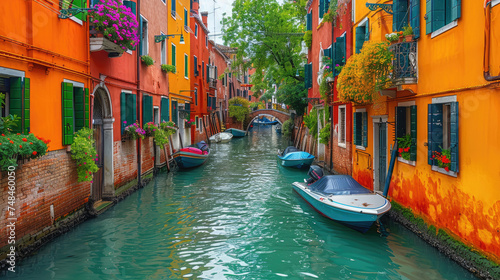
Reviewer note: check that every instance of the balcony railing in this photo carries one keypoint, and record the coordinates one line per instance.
(404, 63)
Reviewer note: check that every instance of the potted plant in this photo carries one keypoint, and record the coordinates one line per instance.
(408, 33)
(134, 131)
(401, 37)
(442, 158)
(150, 129)
(190, 123)
(147, 60)
(114, 26)
(392, 37)
(404, 146)
(168, 68)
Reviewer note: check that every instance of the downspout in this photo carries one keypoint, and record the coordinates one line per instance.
(487, 35)
(333, 95)
(138, 102)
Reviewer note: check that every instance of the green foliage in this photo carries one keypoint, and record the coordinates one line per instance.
(407, 30)
(2, 99)
(325, 88)
(167, 68)
(287, 128)
(311, 122)
(134, 131)
(238, 108)
(308, 37)
(84, 154)
(365, 73)
(259, 30)
(256, 105)
(8, 123)
(147, 60)
(150, 128)
(332, 12)
(19, 146)
(324, 134)
(164, 131)
(404, 146)
(293, 93)
(221, 76)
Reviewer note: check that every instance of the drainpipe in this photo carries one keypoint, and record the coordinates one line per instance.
(331, 110)
(138, 102)
(487, 35)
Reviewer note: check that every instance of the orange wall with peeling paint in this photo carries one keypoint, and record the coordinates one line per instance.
(450, 64)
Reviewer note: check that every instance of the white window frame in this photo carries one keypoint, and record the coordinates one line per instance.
(164, 2)
(196, 122)
(437, 100)
(206, 41)
(146, 41)
(163, 50)
(156, 112)
(186, 26)
(445, 28)
(201, 124)
(494, 3)
(400, 159)
(363, 148)
(343, 145)
(174, 46)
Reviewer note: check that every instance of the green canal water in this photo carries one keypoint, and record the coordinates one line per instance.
(236, 217)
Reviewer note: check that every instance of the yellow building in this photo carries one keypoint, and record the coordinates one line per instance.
(178, 55)
(445, 99)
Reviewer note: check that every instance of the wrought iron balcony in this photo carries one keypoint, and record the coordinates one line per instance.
(404, 63)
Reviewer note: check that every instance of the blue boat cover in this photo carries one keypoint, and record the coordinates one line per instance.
(297, 155)
(338, 185)
(202, 146)
(290, 149)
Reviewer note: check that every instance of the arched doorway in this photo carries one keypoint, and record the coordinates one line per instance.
(102, 123)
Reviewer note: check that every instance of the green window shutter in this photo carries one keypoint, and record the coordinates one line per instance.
(86, 117)
(415, 17)
(195, 64)
(67, 113)
(435, 15)
(327, 52)
(173, 7)
(80, 4)
(16, 100)
(321, 8)
(367, 30)
(79, 108)
(456, 9)
(413, 132)
(326, 5)
(309, 21)
(131, 5)
(131, 108)
(365, 129)
(306, 74)
(185, 17)
(360, 37)
(340, 50)
(173, 56)
(400, 122)
(434, 129)
(454, 136)
(355, 128)
(186, 73)
(27, 107)
(140, 35)
(400, 15)
(123, 111)
(164, 110)
(147, 109)
(174, 112)
(208, 73)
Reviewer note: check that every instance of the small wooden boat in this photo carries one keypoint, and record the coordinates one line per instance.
(236, 132)
(342, 199)
(265, 121)
(192, 156)
(293, 157)
(222, 137)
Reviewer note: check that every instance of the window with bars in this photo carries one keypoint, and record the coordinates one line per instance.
(342, 126)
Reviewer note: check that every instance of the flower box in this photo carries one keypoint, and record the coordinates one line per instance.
(103, 44)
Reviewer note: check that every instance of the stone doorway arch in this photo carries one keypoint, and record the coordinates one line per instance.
(102, 122)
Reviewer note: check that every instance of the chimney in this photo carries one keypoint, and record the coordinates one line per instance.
(195, 5)
(204, 17)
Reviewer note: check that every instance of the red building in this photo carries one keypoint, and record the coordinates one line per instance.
(328, 49)
(220, 61)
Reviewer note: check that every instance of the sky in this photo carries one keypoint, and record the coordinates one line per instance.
(220, 6)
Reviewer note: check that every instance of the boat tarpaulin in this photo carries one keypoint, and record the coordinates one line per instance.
(338, 185)
(297, 155)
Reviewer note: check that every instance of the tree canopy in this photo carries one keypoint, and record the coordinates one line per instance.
(268, 36)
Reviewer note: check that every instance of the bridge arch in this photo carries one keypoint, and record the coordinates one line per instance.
(280, 116)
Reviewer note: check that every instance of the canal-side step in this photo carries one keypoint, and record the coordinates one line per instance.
(101, 206)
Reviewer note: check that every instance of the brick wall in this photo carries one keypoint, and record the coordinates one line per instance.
(49, 180)
(124, 162)
(147, 154)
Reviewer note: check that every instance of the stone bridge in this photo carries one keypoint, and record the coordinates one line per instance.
(279, 115)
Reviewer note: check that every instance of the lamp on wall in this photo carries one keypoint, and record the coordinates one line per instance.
(160, 38)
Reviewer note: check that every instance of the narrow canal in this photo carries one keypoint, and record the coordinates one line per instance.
(236, 217)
